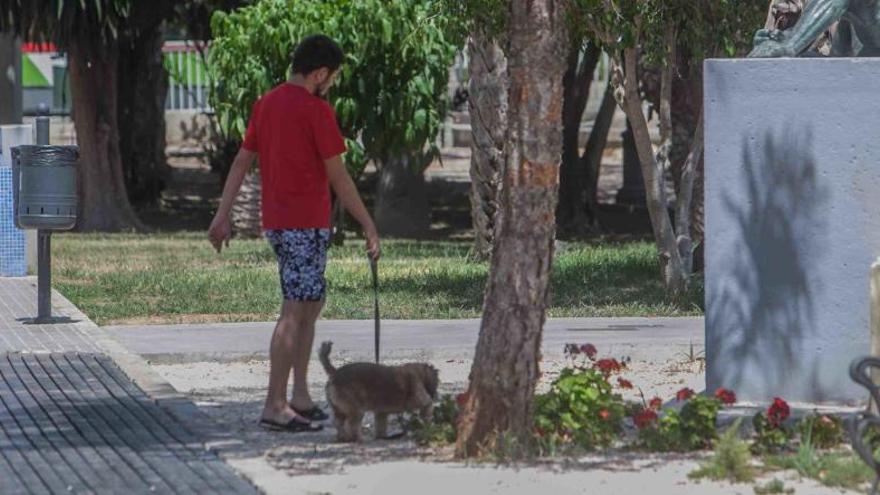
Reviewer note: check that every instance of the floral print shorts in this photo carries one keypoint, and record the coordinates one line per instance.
(302, 257)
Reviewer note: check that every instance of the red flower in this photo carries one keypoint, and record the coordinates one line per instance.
(727, 397)
(778, 412)
(607, 366)
(624, 383)
(589, 350)
(461, 399)
(604, 414)
(684, 394)
(656, 403)
(644, 418)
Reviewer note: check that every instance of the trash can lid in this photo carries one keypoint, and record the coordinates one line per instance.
(46, 156)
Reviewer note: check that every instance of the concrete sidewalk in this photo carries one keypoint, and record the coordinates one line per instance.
(80, 414)
(639, 338)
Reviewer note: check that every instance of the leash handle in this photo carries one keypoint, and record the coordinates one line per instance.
(374, 267)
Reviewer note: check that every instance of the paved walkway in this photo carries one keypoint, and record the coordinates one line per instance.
(74, 420)
(639, 338)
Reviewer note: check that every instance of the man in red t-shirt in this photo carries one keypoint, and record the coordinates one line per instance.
(294, 133)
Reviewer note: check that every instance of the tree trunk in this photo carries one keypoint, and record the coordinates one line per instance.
(488, 110)
(685, 153)
(671, 268)
(500, 405)
(143, 86)
(104, 204)
(572, 214)
(591, 160)
(247, 215)
(402, 208)
(683, 205)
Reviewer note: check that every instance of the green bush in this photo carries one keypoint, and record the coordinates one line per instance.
(769, 438)
(692, 428)
(581, 408)
(391, 97)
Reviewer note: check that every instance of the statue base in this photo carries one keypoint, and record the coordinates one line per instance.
(792, 188)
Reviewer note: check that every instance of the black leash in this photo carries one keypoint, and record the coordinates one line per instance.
(375, 269)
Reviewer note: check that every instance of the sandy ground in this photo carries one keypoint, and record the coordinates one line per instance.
(232, 393)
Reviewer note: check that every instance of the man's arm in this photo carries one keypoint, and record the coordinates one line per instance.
(347, 193)
(221, 229)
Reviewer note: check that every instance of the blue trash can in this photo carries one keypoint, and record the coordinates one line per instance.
(13, 262)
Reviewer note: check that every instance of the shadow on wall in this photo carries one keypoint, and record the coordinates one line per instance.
(760, 305)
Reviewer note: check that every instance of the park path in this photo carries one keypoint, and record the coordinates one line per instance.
(434, 340)
(80, 414)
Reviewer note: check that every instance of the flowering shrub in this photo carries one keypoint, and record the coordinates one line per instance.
(727, 397)
(581, 407)
(684, 394)
(771, 434)
(824, 431)
(691, 428)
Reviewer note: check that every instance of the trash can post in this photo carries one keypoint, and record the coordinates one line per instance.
(44, 243)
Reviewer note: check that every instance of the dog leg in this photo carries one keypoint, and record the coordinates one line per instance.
(353, 427)
(340, 420)
(381, 426)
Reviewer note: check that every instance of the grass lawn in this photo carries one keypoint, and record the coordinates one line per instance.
(123, 278)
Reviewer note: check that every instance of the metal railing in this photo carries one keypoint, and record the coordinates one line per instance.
(187, 77)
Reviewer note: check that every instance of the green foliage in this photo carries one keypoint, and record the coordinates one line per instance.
(769, 438)
(825, 431)
(391, 95)
(442, 430)
(731, 460)
(490, 16)
(844, 470)
(773, 486)
(706, 27)
(580, 408)
(60, 21)
(692, 428)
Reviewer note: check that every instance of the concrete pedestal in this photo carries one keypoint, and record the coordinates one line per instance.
(792, 224)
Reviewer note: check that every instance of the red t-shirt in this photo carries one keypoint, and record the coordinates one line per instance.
(293, 132)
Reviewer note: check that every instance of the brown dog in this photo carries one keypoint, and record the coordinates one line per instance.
(357, 388)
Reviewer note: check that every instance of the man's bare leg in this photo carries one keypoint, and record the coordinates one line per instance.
(286, 340)
(301, 399)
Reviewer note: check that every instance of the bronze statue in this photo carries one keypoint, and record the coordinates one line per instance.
(853, 27)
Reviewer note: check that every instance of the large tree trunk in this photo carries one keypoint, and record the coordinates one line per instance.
(500, 404)
(572, 214)
(487, 92)
(672, 270)
(104, 204)
(402, 208)
(143, 86)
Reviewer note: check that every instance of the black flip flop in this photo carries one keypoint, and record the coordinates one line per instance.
(292, 426)
(314, 414)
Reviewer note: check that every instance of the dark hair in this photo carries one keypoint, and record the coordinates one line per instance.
(315, 52)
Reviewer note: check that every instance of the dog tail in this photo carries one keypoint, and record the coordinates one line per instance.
(324, 356)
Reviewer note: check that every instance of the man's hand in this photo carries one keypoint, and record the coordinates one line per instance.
(372, 236)
(220, 232)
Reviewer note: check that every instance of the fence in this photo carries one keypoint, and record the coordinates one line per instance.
(187, 76)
